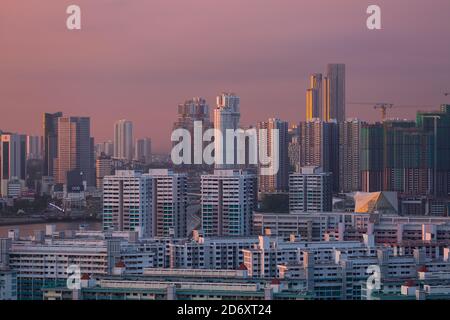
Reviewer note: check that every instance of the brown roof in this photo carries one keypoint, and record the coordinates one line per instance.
(85, 276)
(242, 267)
(275, 281)
(120, 264)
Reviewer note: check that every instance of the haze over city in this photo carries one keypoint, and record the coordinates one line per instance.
(141, 68)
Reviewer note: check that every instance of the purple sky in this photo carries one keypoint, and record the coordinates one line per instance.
(138, 59)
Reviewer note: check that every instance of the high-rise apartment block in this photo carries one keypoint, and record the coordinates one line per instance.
(410, 157)
(310, 190)
(123, 140)
(50, 143)
(143, 150)
(320, 147)
(103, 168)
(334, 97)
(170, 203)
(277, 180)
(34, 147)
(437, 124)
(128, 203)
(372, 150)
(349, 155)
(228, 198)
(226, 116)
(12, 160)
(325, 97)
(153, 204)
(314, 98)
(75, 149)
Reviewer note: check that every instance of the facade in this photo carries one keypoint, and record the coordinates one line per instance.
(106, 148)
(143, 150)
(75, 149)
(8, 284)
(12, 160)
(407, 163)
(50, 143)
(103, 168)
(349, 155)
(277, 181)
(195, 110)
(314, 98)
(128, 203)
(228, 198)
(437, 124)
(334, 96)
(51, 259)
(372, 150)
(401, 233)
(320, 147)
(123, 140)
(170, 203)
(310, 190)
(178, 285)
(399, 155)
(226, 116)
(119, 265)
(34, 147)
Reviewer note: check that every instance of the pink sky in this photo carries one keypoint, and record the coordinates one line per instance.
(138, 59)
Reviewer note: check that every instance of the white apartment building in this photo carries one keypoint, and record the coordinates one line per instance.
(407, 232)
(128, 203)
(310, 190)
(209, 252)
(226, 116)
(123, 140)
(170, 203)
(228, 198)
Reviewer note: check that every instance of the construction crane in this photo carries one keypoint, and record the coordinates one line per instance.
(383, 106)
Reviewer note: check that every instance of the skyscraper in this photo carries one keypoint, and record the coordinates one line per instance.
(320, 147)
(170, 203)
(406, 157)
(103, 168)
(277, 181)
(409, 157)
(106, 148)
(226, 116)
(192, 111)
(349, 159)
(372, 152)
(334, 93)
(50, 137)
(75, 149)
(310, 190)
(128, 203)
(314, 98)
(228, 198)
(143, 150)
(34, 147)
(123, 140)
(437, 124)
(12, 159)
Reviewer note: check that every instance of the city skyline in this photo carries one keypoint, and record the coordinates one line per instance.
(245, 151)
(106, 74)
